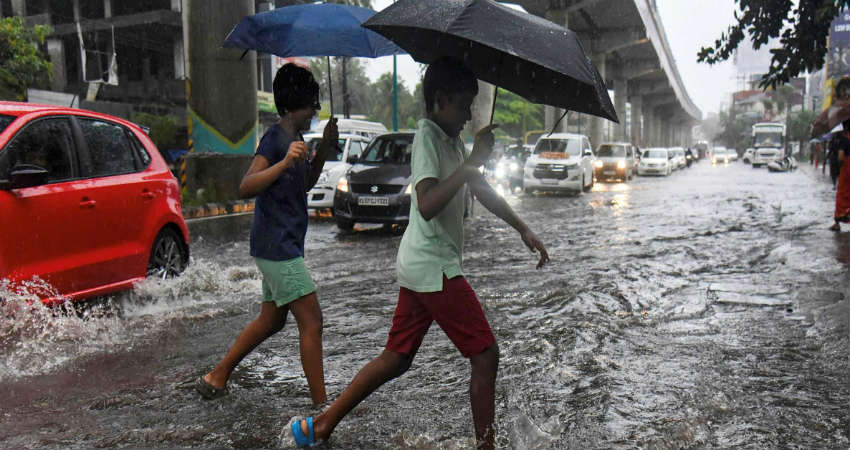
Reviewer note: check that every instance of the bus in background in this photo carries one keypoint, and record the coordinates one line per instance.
(768, 142)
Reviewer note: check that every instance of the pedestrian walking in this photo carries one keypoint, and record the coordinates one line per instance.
(428, 264)
(842, 192)
(279, 177)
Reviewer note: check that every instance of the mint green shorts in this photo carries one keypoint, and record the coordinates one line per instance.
(285, 281)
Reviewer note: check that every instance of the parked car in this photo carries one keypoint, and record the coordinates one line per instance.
(348, 149)
(731, 154)
(655, 161)
(88, 203)
(560, 162)
(377, 187)
(615, 161)
(718, 155)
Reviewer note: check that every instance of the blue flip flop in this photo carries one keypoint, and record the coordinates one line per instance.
(301, 440)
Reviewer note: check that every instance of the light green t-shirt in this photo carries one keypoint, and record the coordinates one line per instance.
(431, 248)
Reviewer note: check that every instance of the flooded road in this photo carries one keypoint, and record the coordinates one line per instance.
(708, 309)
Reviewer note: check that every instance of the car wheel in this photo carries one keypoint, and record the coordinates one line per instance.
(528, 191)
(168, 258)
(345, 225)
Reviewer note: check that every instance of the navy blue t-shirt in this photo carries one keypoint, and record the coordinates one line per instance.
(280, 211)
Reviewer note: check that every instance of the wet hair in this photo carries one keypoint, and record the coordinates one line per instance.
(448, 76)
(294, 88)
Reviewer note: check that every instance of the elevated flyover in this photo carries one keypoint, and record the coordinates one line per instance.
(627, 43)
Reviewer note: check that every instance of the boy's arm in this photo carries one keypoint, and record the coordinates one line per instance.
(498, 206)
(330, 138)
(260, 175)
(432, 195)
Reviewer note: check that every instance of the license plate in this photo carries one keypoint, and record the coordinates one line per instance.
(549, 181)
(609, 172)
(373, 201)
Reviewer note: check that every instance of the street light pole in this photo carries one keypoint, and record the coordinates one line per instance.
(395, 94)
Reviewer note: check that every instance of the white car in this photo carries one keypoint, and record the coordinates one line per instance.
(560, 162)
(349, 148)
(655, 161)
(731, 154)
(678, 154)
(719, 155)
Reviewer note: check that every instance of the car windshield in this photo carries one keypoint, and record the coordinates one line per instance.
(313, 144)
(768, 139)
(5, 121)
(655, 154)
(570, 146)
(388, 150)
(611, 151)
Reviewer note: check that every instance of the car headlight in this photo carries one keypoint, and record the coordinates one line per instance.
(500, 171)
(514, 167)
(621, 164)
(409, 189)
(342, 184)
(323, 178)
(598, 164)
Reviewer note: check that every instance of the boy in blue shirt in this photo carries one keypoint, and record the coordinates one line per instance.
(280, 176)
(433, 288)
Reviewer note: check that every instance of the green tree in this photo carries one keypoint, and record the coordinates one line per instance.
(798, 126)
(735, 129)
(382, 110)
(516, 115)
(358, 87)
(163, 129)
(802, 27)
(22, 65)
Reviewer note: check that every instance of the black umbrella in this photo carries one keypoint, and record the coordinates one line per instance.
(526, 54)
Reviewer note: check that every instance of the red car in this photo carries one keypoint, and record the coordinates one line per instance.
(87, 203)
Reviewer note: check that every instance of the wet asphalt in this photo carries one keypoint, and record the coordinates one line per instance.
(708, 309)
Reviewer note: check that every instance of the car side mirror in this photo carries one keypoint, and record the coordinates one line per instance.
(24, 176)
(351, 159)
(588, 153)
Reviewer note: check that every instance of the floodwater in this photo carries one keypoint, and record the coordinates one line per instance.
(704, 310)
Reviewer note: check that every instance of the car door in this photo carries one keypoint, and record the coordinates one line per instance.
(48, 230)
(124, 199)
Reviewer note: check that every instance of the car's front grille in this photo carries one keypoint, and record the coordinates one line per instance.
(376, 189)
(556, 171)
(378, 211)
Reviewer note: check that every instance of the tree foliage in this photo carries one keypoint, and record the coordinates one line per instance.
(22, 64)
(802, 27)
(516, 115)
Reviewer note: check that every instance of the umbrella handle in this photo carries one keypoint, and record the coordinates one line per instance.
(555, 127)
(493, 110)
(330, 87)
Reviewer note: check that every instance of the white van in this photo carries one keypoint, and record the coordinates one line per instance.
(560, 162)
(349, 147)
(355, 126)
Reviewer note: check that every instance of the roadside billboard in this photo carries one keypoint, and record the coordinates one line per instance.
(838, 58)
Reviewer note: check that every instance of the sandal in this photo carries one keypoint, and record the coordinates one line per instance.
(302, 440)
(209, 391)
(835, 227)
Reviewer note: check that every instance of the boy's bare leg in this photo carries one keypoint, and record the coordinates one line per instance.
(482, 395)
(308, 316)
(385, 367)
(269, 322)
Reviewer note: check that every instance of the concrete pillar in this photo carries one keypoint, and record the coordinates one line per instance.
(481, 108)
(179, 54)
(550, 113)
(107, 8)
(177, 5)
(637, 118)
(621, 94)
(77, 14)
(19, 8)
(596, 124)
(56, 53)
(223, 93)
(649, 126)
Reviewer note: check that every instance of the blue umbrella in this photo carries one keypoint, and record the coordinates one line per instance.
(318, 29)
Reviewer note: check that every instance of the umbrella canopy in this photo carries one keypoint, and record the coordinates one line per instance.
(318, 29)
(831, 118)
(526, 54)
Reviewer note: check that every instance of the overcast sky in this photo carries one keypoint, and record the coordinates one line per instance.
(689, 24)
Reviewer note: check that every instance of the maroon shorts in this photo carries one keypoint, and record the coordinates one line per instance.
(455, 309)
